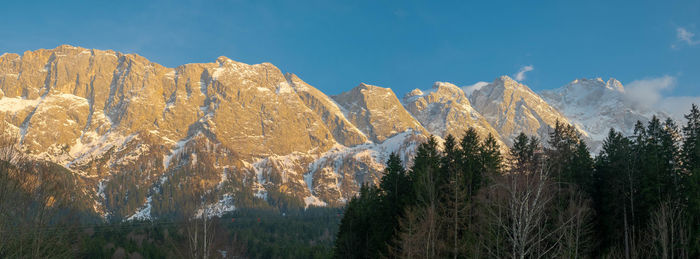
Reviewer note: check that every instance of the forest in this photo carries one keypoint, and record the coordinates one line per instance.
(44, 213)
(639, 197)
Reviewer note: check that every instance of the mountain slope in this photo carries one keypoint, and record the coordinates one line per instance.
(142, 137)
(343, 131)
(377, 112)
(595, 106)
(445, 110)
(511, 108)
(237, 134)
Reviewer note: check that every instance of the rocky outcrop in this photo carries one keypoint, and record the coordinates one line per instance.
(139, 134)
(445, 110)
(241, 134)
(343, 131)
(511, 108)
(377, 112)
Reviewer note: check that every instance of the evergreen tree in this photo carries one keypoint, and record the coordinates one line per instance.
(582, 166)
(454, 201)
(397, 192)
(690, 156)
(356, 237)
(563, 142)
(425, 170)
(470, 161)
(615, 187)
(491, 158)
(425, 176)
(396, 185)
(523, 154)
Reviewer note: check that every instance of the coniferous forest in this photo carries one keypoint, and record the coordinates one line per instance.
(639, 197)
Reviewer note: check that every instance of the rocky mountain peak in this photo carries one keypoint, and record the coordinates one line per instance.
(377, 112)
(595, 84)
(248, 131)
(511, 107)
(343, 130)
(506, 81)
(445, 110)
(615, 85)
(445, 88)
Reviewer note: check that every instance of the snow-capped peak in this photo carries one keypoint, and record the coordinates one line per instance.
(615, 85)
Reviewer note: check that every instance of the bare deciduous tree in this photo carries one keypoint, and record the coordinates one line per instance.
(668, 232)
(520, 219)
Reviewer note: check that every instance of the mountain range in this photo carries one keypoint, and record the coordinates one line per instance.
(239, 135)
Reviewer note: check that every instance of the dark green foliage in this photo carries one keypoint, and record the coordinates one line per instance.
(491, 158)
(356, 236)
(615, 187)
(690, 157)
(249, 233)
(443, 182)
(471, 161)
(568, 157)
(306, 233)
(582, 166)
(524, 153)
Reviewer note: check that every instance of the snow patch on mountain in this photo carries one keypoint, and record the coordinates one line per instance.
(595, 106)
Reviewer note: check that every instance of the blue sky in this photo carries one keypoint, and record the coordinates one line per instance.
(334, 45)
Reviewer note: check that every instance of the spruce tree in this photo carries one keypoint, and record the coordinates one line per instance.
(356, 236)
(690, 157)
(615, 189)
(491, 159)
(396, 193)
(524, 155)
(470, 161)
(582, 165)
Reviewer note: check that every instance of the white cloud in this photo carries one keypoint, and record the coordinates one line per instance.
(520, 76)
(677, 106)
(646, 93)
(468, 90)
(685, 36)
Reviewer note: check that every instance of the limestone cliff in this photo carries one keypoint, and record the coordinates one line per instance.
(446, 110)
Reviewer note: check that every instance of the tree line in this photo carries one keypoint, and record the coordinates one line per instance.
(639, 197)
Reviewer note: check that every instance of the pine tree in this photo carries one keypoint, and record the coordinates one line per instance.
(563, 142)
(690, 157)
(582, 166)
(355, 238)
(425, 175)
(454, 200)
(470, 161)
(524, 155)
(396, 193)
(491, 159)
(615, 189)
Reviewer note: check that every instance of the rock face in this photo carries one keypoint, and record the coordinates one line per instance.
(238, 134)
(141, 135)
(445, 110)
(511, 108)
(343, 131)
(377, 112)
(595, 106)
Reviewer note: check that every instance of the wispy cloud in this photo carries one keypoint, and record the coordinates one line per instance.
(648, 94)
(520, 76)
(677, 106)
(468, 90)
(683, 36)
